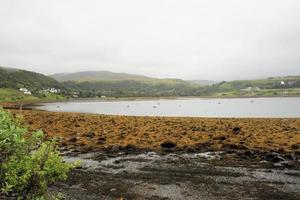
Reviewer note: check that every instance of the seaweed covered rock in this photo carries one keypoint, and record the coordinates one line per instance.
(168, 144)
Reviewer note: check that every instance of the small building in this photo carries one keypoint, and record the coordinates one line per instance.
(250, 89)
(25, 91)
(54, 90)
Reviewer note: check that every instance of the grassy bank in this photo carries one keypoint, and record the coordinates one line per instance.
(10, 95)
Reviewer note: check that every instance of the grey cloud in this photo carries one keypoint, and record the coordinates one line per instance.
(192, 39)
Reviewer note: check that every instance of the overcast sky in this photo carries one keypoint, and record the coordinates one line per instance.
(189, 39)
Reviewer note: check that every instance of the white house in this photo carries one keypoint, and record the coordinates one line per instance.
(250, 89)
(25, 91)
(52, 90)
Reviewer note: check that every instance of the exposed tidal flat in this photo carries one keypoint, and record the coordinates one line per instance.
(175, 157)
(92, 131)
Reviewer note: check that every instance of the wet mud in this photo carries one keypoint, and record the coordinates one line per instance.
(175, 176)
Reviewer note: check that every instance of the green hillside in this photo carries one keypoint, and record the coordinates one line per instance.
(104, 83)
(270, 83)
(17, 78)
(125, 88)
(99, 76)
(275, 86)
(11, 80)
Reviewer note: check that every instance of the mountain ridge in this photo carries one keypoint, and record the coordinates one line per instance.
(98, 75)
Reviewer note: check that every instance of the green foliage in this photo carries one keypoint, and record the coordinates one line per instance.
(28, 163)
(16, 78)
(11, 136)
(131, 88)
(91, 76)
(14, 95)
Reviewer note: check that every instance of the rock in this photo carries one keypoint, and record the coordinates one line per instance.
(250, 153)
(283, 164)
(73, 139)
(63, 144)
(295, 146)
(222, 138)
(274, 157)
(236, 130)
(194, 128)
(89, 134)
(129, 147)
(292, 156)
(168, 144)
(234, 146)
(102, 139)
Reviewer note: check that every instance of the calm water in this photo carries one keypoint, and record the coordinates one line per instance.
(239, 107)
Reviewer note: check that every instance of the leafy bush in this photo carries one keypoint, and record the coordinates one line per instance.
(28, 163)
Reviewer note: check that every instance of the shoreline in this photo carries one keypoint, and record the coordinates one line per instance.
(13, 105)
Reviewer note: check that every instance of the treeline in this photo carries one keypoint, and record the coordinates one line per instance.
(129, 88)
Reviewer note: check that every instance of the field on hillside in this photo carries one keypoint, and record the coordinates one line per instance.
(11, 95)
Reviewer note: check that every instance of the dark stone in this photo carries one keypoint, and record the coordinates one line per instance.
(296, 146)
(129, 147)
(291, 156)
(73, 139)
(236, 130)
(274, 157)
(249, 153)
(102, 139)
(63, 144)
(168, 144)
(222, 137)
(287, 164)
(90, 134)
(234, 146)
(194, 128)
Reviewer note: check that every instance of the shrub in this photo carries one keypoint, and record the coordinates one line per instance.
(28, 163)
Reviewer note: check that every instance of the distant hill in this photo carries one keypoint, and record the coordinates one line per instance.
(108, 83)
(268, 83)
(202, 82)
(99, 76)
(17, 78)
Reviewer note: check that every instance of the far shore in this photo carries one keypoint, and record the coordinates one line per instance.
(28, 104)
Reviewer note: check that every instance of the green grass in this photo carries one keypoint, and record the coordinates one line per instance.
(13, 95)
(262, 93)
